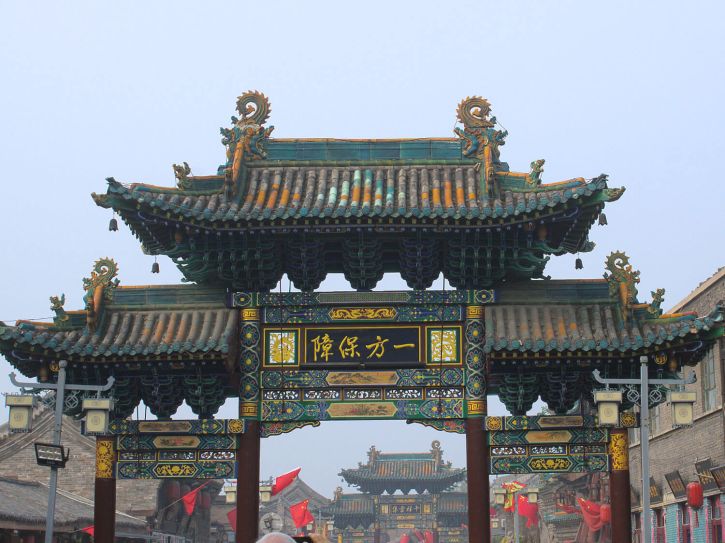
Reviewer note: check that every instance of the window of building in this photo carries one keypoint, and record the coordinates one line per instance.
(636, 528)
(684, 524)
(715, 524)
(659, 518)
(709, 387)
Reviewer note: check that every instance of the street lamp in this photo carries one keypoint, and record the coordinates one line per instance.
(608, 402)
(499, 496)
(533, 495)
(683, 404)
(52, 453)
(97, 415)
(21, 412)
(265, 492)
(682, 408)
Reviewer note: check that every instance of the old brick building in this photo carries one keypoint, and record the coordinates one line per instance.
(142, 499)
(679, 456)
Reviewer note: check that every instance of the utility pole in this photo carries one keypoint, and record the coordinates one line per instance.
(60, 387)
(642, 399)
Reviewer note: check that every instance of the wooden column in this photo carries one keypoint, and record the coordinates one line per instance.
(619, 489)
(477, 461)
(248, 484)
(249, 442)
(104, 504)
(477, 465)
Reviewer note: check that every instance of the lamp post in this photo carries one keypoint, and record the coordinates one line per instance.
(642, 398)
(60, 387)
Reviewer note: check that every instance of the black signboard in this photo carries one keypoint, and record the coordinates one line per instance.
(376, 346)
(677, 485)
(655, 491)
(707, 480)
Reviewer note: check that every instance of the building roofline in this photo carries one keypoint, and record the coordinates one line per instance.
(701, 288)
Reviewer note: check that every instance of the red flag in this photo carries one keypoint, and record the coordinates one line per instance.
(529, 510)
(300, 515)
(232, 516)
(90, 530)
(284, 480)
(419, 536)
(428, 536)
(405, 538)
(590, 512)
(189, 499)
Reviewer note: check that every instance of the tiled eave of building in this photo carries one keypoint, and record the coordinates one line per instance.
(180, 324)
(133, 328)
(416, 194)
(589, 328)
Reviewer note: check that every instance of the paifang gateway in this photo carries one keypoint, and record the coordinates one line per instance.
(363, 208)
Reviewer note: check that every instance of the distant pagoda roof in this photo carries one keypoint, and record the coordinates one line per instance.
(388, 472)
(308, 207)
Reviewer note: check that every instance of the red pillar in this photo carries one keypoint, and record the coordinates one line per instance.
(477, 464)
(619, 489)
(104, 506)
(249, 442)
(248, 484)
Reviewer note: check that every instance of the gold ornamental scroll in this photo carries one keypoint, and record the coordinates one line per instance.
(105, 451)
(618, 451)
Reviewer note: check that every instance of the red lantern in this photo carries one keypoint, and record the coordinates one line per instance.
(173, 490)
(694, 495)
(605, 513)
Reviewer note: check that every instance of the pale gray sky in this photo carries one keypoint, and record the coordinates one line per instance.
(97, 89)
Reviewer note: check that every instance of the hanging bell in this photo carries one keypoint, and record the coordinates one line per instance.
(602, 219)
(113, 225)
(578, 264)
(155, 267)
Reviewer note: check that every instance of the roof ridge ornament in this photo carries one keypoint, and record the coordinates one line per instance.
(622, 279)
(56, 305)
(181, 173)
(655, 307)
(246, 138)
(480, 138)
(99, 288)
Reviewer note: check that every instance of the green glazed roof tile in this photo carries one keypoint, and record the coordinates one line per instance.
(365, 191)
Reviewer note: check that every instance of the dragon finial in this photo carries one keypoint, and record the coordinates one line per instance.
(182, 172)
(99, 288)
(622, 279)
(655, 308)
(56, 305)
(480, 137)
(537, 168)
(246, 138)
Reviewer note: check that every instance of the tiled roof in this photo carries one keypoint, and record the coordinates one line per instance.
(585, 327)
(26, 502)
(452, 502)
(134, 333)
(352, 504)
(133, 326)
(298, 192)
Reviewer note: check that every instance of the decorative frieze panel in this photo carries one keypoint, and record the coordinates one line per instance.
(194, 449)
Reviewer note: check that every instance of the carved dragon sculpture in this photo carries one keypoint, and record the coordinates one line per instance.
(99, 287)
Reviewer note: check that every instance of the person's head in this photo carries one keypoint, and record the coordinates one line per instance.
(276, 537)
